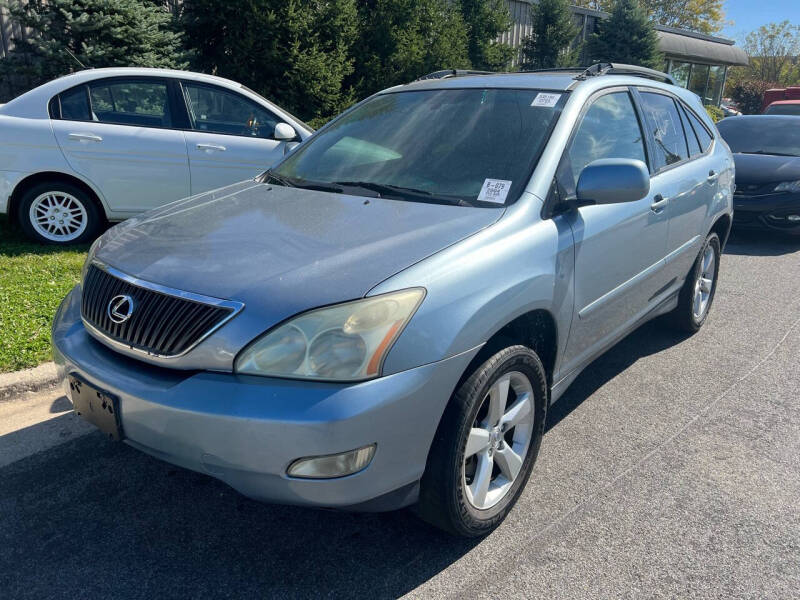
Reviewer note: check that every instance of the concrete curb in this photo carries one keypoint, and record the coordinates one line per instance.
(29, 380)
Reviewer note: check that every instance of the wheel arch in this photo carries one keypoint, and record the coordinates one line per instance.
(722, 227)
(45, 176)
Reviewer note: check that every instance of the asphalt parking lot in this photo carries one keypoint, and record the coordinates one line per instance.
(671, 468)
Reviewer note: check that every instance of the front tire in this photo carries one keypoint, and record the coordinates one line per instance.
(58, 213)
(486, 444)
(697, 293)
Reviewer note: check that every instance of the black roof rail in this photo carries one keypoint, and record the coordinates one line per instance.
(452, 73)
(623, 69)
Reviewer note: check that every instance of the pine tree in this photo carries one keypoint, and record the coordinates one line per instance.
(99, 33)
(552, 33)
(627, 36)
(401, 40)
(297, 53)
(485, 20)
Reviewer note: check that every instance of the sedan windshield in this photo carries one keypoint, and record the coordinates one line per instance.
(461, 146)
(762, 135)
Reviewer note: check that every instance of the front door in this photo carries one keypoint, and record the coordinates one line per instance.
(619, 248)
(231, 137)
(117, 133)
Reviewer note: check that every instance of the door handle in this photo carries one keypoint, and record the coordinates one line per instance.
(211, 147)
(712, 175)
(85, 137)
(659, 202)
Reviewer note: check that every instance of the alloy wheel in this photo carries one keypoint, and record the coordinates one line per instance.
(498, 441)
(704, 284)
(58, 216)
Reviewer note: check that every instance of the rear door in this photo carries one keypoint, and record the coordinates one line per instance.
(231, 137)
(619, 248)
(119, 133)
(684, 176)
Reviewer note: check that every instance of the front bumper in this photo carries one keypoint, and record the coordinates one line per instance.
(246, 430)
(775, 212)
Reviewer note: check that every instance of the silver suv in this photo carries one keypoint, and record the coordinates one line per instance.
(384, 318)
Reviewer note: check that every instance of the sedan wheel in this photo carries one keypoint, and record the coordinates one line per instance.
(58, 212)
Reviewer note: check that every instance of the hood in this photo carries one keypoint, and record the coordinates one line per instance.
(765, 168)
(283, 250)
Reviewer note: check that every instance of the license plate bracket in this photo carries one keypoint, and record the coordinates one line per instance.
(98, 407)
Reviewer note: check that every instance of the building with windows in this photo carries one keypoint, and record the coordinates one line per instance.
(698, 62)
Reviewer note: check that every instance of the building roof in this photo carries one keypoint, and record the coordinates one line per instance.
(684, 44)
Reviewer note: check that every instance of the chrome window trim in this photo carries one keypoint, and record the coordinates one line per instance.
(235, 306)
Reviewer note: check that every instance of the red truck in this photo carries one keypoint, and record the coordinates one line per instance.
(781, 100)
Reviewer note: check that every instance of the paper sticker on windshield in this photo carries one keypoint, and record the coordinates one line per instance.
(494, 190)
(546, 100)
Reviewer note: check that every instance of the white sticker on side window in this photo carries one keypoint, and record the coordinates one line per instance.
(546, 100)
(494, 190)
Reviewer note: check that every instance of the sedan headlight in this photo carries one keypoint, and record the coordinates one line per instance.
(788, 186)
(346, 342)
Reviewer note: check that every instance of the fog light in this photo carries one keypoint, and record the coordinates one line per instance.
(332, 465)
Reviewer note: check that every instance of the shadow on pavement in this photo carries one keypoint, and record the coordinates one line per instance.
(761, 243)
(91, 518)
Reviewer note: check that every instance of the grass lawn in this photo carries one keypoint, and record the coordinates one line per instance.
(33, 280)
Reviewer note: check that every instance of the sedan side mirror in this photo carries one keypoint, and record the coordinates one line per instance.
(284, 132)
(612, 180)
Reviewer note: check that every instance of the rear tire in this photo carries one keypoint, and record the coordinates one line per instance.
(697, 293)
(486, 444)
(58, 213)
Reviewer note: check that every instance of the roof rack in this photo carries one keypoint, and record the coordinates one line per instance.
(622, 69)
(444, 74)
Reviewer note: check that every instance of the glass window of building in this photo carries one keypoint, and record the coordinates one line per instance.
(680, 72)
(698, 79)
(716, 77)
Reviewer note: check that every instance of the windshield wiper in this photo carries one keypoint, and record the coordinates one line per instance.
(270, 176)
(388, 190)
(765, 152)
(302, 183)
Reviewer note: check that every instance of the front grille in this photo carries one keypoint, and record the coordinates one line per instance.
(161, 323)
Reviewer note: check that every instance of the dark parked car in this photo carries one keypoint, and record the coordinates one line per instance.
(766, 149)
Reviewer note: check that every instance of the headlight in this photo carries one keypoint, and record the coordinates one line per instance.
(89, 258)
(346, 342)
(788, 186)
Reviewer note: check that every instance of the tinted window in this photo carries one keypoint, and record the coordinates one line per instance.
(762, 135)
(141, 103)
(75, 105)
(700, 130)
(219, 111)
(609, 129)
(783, 109)
(665, 125)
(435, 145)
(691, 138)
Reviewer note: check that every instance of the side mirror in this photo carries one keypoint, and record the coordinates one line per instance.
(283, 132)
(612, 180)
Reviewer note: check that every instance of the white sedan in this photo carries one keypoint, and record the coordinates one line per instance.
(106, 144)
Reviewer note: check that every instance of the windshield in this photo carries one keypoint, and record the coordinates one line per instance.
(783, 109)
(762, 135)
(462, 146)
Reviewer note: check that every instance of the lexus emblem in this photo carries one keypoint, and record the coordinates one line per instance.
(120, 309)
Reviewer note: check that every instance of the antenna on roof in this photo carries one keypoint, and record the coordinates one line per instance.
(75, 58)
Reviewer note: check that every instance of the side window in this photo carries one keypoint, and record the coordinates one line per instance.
(75, 104)
(703, 136)
(691, 138)
(133, 102)
(663, 121)
(609, 129)
(216, 110)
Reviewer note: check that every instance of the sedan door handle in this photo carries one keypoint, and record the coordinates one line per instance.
(211, 147)
(85, 137)
(712, 175)
(659, 202)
